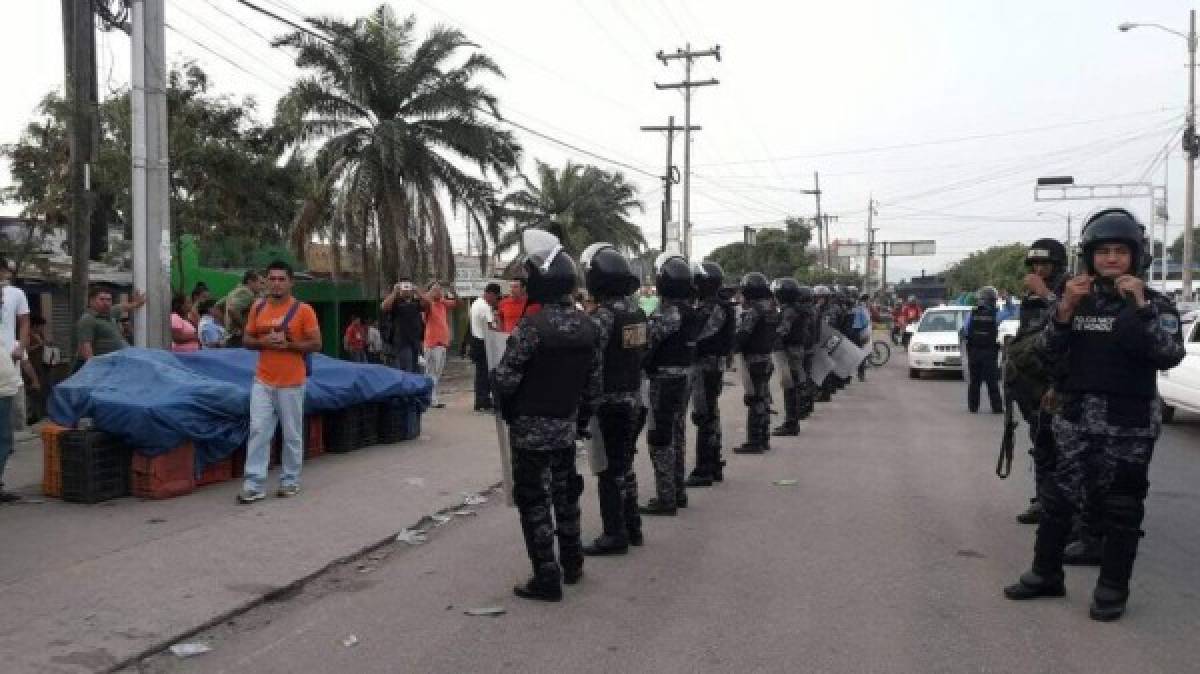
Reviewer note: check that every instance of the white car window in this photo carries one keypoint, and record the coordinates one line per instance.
(940, 321)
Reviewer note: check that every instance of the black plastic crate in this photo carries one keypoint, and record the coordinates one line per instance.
(392, 426)
(410, 421)
(368, 424)
(342, 430)
(95, 467)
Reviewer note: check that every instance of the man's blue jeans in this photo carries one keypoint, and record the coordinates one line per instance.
(270, 406)
(6, 433)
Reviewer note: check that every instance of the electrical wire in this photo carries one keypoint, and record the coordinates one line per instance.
(223, 57)
(195, 19)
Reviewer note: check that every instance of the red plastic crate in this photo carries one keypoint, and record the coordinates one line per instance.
(215, 472)
(52, 459)
(314, 436)
(166, 475)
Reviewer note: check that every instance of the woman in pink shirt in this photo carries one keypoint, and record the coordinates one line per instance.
(184, 337)
(437, 334)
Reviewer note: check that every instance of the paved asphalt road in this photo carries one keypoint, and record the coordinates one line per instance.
(888, 556)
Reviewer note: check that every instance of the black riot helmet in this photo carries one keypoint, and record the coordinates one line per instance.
(1115, 225)
(708, 277)
(822, 292)
(606, 272)
(550, 273)
(1047, 250)
(673, 276)
(786, 290)
(755, 286)
(987, 297)
(805, 294)
(851, 293)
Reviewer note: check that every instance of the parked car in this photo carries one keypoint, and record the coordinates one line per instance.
(935, 345)
(1179, 388)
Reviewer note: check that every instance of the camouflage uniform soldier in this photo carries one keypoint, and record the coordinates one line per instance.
(622, 341)
(551, 363)
(714, 344)
(673, 329)
(1113, 334)
(755, 338)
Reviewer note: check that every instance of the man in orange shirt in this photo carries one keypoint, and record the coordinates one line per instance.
(285, 332)
(437, 334)
(513, 307)
(355, 340)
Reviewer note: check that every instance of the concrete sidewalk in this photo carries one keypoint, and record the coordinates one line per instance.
(85, 588)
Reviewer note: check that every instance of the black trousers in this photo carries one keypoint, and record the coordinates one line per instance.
(546, 491)
(616, 485)
(483, 383)
(984, 369)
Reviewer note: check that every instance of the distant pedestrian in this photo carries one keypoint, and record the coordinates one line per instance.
(235, 306)
(97, 331)
(184, 336)
(14, 335)
(374, 342)
(10, 384)
(483, 319)
(510, 309)
(354, 341)
(407, 325)
(212, 329)
(285, 332)
(200, 294)
(437, 334)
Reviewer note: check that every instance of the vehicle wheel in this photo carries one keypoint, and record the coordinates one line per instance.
(880, 353)
(914, 373)
(1168, 414)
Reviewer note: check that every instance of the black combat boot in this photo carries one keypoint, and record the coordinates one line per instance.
(541, 587)
(787, 428)
(1031, 514)
(718, 471)
(1087, 551)
(656, 507)
(1116, 567)
(1045, 579)
(749, 449)
(1032, 586)
(607, 544)
(700, 477)
(613, 541)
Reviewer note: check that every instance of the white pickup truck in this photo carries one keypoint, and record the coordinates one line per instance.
(1180, 386)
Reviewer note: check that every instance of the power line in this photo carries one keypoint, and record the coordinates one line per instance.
(478, 108)
(223, 57)
(229, 40)
(946, 141)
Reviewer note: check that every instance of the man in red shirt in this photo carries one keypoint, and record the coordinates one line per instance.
(355, 340)
(435, 305)
(285, 332)
(514, 306)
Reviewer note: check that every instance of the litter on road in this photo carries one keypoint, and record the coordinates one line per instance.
(487, 612)
(350, 641)
(474, 499)
(786, 483)
(411, 537)
(189, 649)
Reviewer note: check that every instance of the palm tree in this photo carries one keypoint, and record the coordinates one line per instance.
(395, 124)
(579, 204)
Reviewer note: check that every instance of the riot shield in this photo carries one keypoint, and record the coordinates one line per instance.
(495, 343)
(597, 456)
(785, 370)
(821, 366)
(846, 356)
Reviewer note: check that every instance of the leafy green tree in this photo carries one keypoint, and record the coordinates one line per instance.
(999, 266)
(580, 204)
(776, 252)
(398, 121)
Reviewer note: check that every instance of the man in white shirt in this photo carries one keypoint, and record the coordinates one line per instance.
(374, 342)
(10, 376)
(14, 337)
(483, 318)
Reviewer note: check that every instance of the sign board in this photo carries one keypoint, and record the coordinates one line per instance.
(468, 280)
(889, 248)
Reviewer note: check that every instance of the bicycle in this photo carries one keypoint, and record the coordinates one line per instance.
(879, 354)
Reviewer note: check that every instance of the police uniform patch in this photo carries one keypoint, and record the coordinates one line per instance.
(633, 336)
(1169, 323)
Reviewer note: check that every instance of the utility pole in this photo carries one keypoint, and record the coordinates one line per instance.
(821, 233)
(669, 178)
(870, 244)
(1191, 146)
(79, 58)
(687, 85)
(151, 197)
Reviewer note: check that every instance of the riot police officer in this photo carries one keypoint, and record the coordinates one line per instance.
(1027, 375)
(551, 363)
(714, 345)
(1113, 334)
(795, 338)
(755, 338)
(673, 328)
(981, 331)
(622, 333)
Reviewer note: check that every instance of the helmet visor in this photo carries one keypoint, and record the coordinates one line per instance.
(540, 247)
(585, 259)
(663, 258)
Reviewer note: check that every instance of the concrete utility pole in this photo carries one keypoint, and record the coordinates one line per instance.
(1191, 146)
(870, 244)
(79, 58)
(670, 178)
(822, 234)
(151, 196)
(687, 85)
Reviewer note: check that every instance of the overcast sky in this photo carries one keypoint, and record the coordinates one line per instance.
(945, 111)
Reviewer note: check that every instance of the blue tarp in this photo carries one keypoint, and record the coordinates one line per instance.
(156, 400)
